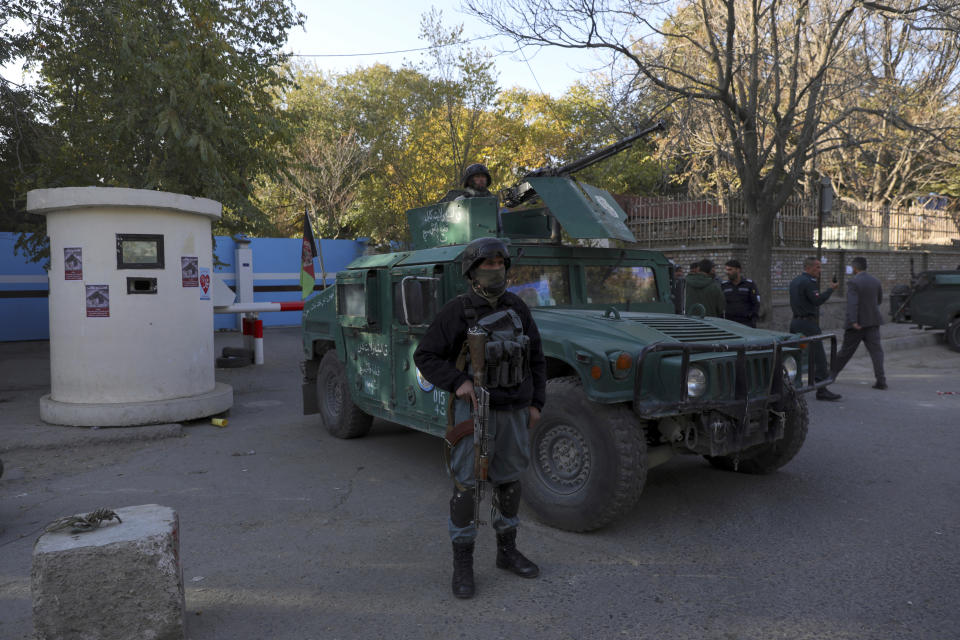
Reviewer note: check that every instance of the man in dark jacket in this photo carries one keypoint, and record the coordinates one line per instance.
(703, 288)
(743, 300)
(805, 301)
(863, 320)
(476, 184)
(515, 404)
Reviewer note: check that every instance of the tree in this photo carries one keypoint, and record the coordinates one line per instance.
(176, 95)
(467, 86)
(22, 131)
(762, 75)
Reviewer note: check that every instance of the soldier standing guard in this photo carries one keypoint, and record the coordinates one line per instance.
(517, 393)
(743, 299)
(805, 301)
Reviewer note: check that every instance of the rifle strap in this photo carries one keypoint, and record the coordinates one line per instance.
(470, 313)
(455, 433)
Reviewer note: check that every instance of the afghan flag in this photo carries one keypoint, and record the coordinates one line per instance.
(308, 253)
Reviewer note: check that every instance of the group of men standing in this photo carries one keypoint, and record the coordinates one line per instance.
(737, 299)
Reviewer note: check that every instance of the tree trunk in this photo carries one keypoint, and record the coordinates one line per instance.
(758, 253)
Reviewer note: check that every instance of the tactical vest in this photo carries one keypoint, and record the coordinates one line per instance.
(507, 352)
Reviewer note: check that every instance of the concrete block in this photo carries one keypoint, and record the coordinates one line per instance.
(121, 581)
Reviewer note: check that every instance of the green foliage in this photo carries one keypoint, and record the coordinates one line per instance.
(22, 132)
(175, 95)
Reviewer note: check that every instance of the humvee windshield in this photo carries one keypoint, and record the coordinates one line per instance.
(541, 285)
(549, 285)
(620, 285)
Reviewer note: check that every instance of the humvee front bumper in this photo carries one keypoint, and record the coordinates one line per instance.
(741, 381)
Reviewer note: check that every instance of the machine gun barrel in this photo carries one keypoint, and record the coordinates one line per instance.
(596, 156)
(521, 192)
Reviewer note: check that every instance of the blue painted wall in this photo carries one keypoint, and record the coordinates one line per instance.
(24, 311)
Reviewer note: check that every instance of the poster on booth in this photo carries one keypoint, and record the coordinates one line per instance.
(98, 301)
(204, 283)
(72, 263)
(190, 271)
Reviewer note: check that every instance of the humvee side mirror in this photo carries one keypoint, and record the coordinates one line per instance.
(417, 296)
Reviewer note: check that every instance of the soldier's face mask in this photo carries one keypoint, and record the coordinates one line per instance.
(490, 282)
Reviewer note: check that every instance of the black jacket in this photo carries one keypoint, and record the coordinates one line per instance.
(743, 301)
(436, 356)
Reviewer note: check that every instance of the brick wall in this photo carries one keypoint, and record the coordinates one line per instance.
(890, 267)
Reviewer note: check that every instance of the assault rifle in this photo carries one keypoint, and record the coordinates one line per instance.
(522, 191)
(477, 343)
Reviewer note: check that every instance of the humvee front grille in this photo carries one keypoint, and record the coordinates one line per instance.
(724, 373)
(685, 329)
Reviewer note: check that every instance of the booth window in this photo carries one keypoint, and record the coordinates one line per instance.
(139, 251)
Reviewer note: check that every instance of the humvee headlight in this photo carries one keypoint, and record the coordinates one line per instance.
(790, 367)
(620, 363)
(696, 382)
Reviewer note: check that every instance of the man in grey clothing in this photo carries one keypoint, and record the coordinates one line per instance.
(864, 295)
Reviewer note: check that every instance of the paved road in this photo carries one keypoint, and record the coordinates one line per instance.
(288, 533)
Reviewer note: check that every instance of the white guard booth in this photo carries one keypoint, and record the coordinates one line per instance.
(131, 319)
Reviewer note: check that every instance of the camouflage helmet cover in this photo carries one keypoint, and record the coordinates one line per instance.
(475, 170)
(481, 249)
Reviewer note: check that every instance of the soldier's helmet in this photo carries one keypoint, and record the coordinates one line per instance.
(481, 249)
(475, 170)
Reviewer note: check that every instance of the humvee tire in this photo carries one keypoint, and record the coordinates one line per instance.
(340, 416)
(769, 457)
(953, 334)
(588, 461)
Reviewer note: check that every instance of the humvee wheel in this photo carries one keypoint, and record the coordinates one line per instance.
(588, 461)
(953, 334)
(769, 457)
(340, 416)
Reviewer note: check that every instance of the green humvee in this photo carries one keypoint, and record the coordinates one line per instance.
(630, 384)
(933, 301)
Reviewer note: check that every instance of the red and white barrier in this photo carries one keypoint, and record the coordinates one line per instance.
(252, 325)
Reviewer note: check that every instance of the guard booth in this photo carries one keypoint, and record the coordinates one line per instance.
(131, 316)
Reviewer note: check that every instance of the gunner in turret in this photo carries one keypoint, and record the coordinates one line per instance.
(476, 184)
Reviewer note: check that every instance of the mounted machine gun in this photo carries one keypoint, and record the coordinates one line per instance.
(522, 191)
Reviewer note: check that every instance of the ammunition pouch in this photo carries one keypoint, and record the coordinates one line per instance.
(507, 352)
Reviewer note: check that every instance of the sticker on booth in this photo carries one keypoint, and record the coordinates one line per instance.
(190, 271)
(204, 283)
(72, 263)
(98, 301)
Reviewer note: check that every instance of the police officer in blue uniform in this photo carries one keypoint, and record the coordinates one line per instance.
(516, 398)
(743, 299)
(805, 301)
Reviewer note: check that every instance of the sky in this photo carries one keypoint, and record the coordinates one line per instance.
(333, 29)
(367, 26)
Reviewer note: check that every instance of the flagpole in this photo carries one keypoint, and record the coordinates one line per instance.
(323, 272)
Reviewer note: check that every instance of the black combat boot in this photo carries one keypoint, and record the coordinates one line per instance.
(509, 558)
(463, 570)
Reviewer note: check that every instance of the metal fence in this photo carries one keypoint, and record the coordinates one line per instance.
(668, 221)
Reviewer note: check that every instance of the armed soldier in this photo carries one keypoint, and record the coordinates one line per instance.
(514, 375)
(476, 184)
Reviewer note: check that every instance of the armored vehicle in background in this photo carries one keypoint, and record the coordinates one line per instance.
(630, 384)
(932, 301)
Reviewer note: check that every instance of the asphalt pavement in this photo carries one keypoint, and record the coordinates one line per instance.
(289, 533)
